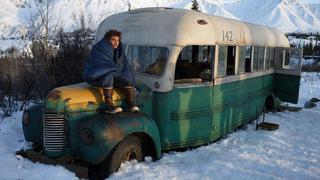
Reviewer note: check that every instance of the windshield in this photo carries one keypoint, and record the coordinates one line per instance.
(147, 59)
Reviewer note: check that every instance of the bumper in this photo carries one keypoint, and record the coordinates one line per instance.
(68, 161)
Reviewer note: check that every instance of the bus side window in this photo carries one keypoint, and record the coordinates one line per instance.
(292, 59)
(255, 58)
(226, 60)
(258, 58)
(130, 55)
(286, 59)
(245, 59)
(194, 63)
(222, 61)
(270, 58)
(261, 58)
(231, 61)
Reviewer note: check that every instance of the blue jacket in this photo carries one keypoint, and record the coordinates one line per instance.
(105, 63)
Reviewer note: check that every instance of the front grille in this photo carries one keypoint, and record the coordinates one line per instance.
(54, 132)
(67, 133)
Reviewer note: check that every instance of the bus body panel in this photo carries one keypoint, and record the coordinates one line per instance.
(192, 116)
(287, 87)
(238, 102)
(183, 116)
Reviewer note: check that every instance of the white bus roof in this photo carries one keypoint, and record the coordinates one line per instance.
(169, 26)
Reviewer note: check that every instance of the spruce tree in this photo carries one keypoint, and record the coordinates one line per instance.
(195, 5)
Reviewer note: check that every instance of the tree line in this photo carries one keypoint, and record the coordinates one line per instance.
(51, 58)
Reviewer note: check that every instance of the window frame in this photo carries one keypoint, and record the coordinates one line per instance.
(126, 48)
(210, 59)
(245, 47)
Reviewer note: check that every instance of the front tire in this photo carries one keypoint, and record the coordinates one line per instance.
(128, 149)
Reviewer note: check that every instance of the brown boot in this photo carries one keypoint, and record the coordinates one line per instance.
(130, 99)
(111, 109)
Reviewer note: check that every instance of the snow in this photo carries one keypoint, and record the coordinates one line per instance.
(16, 167)
(286, 15)
(291, 152)
(301, 42)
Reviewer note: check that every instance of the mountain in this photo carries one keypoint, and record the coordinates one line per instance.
(315, 9)
(287, 15)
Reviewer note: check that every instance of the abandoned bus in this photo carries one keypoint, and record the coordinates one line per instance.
(199, 77)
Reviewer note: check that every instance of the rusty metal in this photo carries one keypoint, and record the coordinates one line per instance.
(114, 132)
(68, 161)
(288, 108)
(56, 94)
(268, 126)
(135, 124)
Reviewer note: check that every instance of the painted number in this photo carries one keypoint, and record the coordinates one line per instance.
(227, 35)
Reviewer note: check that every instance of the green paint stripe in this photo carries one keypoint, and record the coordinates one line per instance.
(206, 112)
(179, 144)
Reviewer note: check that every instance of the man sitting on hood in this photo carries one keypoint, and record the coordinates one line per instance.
(107, 67)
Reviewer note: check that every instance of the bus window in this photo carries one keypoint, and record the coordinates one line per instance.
(231, 61)
(186, 54)
(194, 62)
(258, 58)
(255, 58)
(226, 60)
(261, 57)
(146, 59)
(129, 55)
(222, 61)
(272, 57)
(267, 64)
(286, 58)
(269, 58)
(292, 59)
(245, 59)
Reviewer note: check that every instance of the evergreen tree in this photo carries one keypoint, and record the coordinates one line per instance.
(195, 5)
(129, 6)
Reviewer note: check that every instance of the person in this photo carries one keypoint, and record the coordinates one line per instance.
(107, 67)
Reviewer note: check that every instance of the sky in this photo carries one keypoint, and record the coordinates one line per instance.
(311, 1)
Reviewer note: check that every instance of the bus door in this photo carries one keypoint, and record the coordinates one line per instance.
(288, 74)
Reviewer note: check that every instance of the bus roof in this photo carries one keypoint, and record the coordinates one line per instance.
(170, 26)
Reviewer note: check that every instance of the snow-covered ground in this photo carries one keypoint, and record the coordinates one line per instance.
(291, 152)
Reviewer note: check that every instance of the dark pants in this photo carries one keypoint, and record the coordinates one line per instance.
(110, 82)
(119, 83)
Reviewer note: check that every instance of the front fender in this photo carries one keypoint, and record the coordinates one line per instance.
(109, 130)
(32, 130)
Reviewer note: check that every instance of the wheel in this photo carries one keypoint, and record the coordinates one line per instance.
(128, 149)
(269, 104)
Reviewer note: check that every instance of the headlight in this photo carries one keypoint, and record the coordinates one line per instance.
(26, 118)
(87, 136)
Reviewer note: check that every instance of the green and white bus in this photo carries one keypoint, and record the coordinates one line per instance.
(199, 77)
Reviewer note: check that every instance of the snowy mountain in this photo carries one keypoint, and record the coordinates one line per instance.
(315, 9)
(286, 15)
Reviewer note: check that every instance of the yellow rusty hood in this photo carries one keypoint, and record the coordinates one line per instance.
(81, 94)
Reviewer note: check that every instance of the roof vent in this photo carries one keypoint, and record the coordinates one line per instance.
(202, 22)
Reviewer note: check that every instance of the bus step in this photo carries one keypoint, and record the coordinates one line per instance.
(267, 126)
